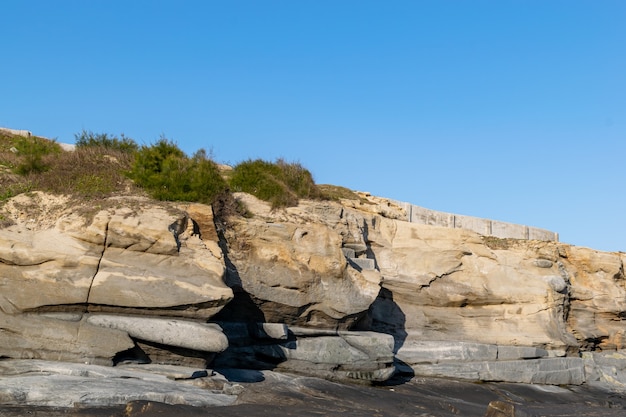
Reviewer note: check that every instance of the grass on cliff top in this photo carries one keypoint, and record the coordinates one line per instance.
(39, 164)
(280, 183)
(337, 193)
(104, 165)
(24, 155)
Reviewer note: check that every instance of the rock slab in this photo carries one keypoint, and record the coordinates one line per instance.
(204, 337)
(54, 384)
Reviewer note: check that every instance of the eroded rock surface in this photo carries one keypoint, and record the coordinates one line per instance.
(343, 290)
(55, 384)
(133, 257)
(121, 258)
(135, 280)
(337, 355)
(292, 267)
(450, 286)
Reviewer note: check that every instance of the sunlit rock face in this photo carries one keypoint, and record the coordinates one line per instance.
(597, 297)
(128, 256)
(292, 267)
(134, 257)
(436, 284)
(451, 285)
(340, 289)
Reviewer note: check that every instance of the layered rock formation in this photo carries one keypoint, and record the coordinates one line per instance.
(527, 308)
(121, 259)
(342, 290)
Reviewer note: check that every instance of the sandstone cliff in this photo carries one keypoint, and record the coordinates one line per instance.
(334, 289)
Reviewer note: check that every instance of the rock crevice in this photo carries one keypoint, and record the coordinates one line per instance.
(105, 242)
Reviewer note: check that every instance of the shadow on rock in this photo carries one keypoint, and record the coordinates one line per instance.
(242, 307)
(386, 316)
(241, 375)
(250, 348)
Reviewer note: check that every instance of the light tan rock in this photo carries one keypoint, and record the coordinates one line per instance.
(43, 268)
(131, 256)
(122, 258)
(443, 284)
(298, 273)
(451, 284)
(598, 297)
(448, 284)
(290, 261)
(428, 284)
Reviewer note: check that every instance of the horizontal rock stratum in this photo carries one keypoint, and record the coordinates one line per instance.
(342, 290)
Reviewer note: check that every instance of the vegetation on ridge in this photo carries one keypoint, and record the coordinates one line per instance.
(88, 138)
(163, 170)
(103, 165)
(34, 163)
(280, 183)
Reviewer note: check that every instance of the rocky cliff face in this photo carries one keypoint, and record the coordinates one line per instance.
(339, 290)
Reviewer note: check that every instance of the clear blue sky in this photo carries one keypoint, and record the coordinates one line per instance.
(510, 110)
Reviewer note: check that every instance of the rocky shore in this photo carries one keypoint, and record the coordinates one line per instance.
(132, 307)
(268, 393)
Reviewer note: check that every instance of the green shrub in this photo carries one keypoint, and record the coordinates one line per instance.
(282, 184)
(122, 143)
(167, 173)
(31, 152)
(298, 179)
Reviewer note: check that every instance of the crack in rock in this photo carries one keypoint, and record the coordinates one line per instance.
(104, 247)
(437, 277)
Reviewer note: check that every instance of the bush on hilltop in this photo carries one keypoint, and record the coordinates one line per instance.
(103, 165)
(280, 183)
(122, 143)
(165, 172)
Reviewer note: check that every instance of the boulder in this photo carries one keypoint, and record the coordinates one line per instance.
(505, 409)
(37, 337)
(132, 257)
(171, 332)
